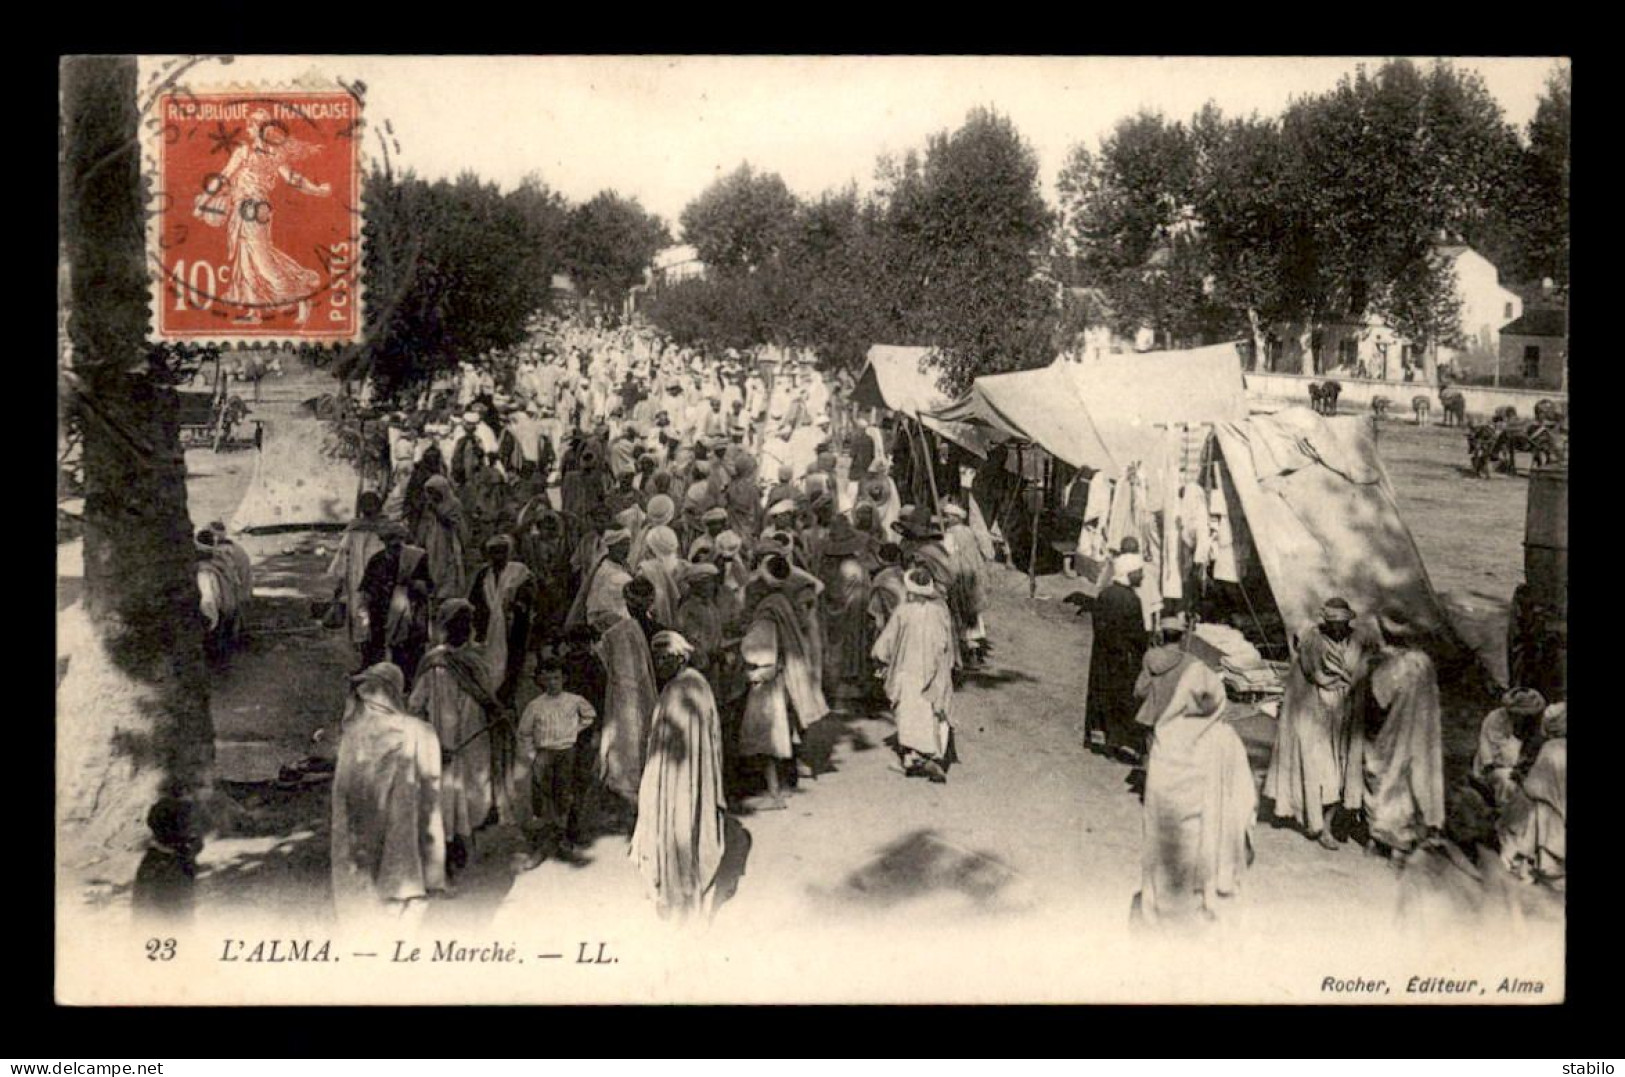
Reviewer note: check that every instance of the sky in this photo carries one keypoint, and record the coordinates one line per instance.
(661, 128)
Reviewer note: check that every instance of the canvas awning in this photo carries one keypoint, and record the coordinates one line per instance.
(1324, 520)
(896, 378)
(1103, 414)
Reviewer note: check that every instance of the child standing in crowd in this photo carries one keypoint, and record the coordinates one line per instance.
(547, 737)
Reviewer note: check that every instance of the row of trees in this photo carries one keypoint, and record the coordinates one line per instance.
(1218, 227)
(458, 268)
(1212, 229)
(948, 251)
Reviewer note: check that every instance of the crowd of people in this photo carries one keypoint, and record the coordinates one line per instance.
(610, 584)
(1358, 755)
(618, 581)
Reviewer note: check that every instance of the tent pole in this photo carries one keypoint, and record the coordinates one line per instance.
(1032, 553)
(930, 467)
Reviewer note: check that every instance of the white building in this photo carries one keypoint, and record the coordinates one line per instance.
(672, 264)
(1369, 347)
(669, 265)
(1485, 307)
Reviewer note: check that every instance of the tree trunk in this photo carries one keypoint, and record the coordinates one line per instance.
(133, 718)
(1261, 344)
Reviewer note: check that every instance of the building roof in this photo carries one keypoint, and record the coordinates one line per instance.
(1539, 323)
(671, 257)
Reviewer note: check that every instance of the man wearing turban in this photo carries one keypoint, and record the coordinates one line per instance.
(1499, 762)
(1308, 768)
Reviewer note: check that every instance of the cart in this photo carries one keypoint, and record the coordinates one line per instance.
(214, 418)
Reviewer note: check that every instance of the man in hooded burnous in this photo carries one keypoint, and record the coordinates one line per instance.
(389, 835)
(1396, 751)
(1116, 652)
(917, 650)
(1309, 764)
(453, 693)
(678, 841)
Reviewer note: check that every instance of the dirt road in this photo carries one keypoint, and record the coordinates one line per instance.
(1030, 828)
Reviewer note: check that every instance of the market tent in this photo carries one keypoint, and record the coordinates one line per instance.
(1324, 521)
(1104, 414)
(296, 484)
(896, 378)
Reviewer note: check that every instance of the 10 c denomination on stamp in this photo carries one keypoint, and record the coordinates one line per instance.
(255, 233)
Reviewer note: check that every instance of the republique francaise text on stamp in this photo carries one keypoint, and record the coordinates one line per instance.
(254, 233)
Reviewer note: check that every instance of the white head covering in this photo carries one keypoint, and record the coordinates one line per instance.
(672, 643)
(1126, 565)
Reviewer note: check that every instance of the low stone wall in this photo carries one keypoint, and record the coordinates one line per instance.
(1358, 392)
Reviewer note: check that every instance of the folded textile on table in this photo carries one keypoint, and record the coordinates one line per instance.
(1224, 644)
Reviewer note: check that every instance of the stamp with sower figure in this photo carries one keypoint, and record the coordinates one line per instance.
(255, 234)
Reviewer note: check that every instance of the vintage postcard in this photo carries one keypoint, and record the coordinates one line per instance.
(673, 529)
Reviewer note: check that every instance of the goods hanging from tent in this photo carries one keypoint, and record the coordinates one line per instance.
(1253, 521)
(900, 380)
(1102, 418)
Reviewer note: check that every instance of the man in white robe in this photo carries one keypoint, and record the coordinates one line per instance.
(917, 649)
(502, 594)
(389, 836)
(678, 841)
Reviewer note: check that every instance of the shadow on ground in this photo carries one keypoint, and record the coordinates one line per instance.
(923, 865)
(994, 678)
(824, 736)
(736, 843)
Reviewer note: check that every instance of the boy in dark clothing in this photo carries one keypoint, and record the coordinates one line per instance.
(583, 676)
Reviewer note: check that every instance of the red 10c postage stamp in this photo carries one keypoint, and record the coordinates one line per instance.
(255, 233)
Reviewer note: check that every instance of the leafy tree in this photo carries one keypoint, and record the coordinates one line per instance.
(741, 222)
(1542, 222)
(1132, 226)
(964, 232)
(1256, 233)
(1387, 165)
(455, 270)
(830, 271)
(610, 242)
(547, 217)
(717, 312)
